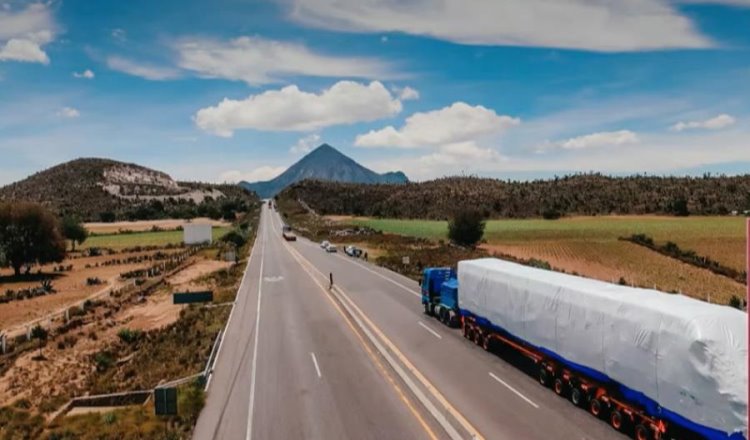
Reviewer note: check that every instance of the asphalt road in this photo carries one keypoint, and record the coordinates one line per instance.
(302, 371)
(362, 361)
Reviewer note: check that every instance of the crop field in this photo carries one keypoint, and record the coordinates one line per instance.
(158, 238)
(590, 246)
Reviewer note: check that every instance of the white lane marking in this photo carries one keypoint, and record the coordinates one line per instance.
(249, 433)
(315, 362)
(234, 303)
(518, 393)
(382, 276)
(350, 307)
(275, 279)
(434, 333)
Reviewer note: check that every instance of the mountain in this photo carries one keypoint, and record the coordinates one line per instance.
(89, 187)
(323, 163)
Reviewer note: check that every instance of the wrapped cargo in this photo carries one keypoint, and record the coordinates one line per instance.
(681, 359)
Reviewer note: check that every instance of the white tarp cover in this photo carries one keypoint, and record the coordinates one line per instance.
(687, 355)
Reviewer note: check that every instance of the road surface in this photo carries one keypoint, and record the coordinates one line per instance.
(362, 361)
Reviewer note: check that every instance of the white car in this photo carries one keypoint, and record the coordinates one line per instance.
(324, 244)
(331, 248)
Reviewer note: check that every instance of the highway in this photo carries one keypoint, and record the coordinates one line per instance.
(362, 361)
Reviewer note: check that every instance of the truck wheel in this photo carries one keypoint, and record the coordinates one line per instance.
(487, 343)
(544, 377)
(616, 420)
(467, 330)
(478, 337)
(641, 432)
(576, 397)
(595, 407)
(427, 309)
(559, 387)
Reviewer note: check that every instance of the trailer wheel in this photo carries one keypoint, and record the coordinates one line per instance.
(641, 432)
(576, 396)
(487, 343)
(544, 377)
(559, 387)
(616, 420)
(595, 407)
(467, 329)
(478, 337)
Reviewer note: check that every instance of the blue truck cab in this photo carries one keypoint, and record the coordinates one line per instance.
(440, 294)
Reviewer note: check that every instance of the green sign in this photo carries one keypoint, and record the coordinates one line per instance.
(192, 297)
(165, 401)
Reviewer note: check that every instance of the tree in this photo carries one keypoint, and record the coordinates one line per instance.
(466, 228)
(29, 234)
(74, 231)
(38, 332)
(235, 237)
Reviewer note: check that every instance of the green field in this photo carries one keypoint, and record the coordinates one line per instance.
(158, 238)
(590, 246)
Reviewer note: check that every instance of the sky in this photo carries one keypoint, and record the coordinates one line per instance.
(226, 90)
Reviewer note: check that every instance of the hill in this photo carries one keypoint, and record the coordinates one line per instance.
(108, 190)
(323, 163)
(583, 194)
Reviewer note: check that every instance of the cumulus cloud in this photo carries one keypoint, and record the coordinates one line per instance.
(142, 70)
(306, 144)
(258, 174)
(598, 140)
(715, 123)
(87, 74)
(457, 123)
(119, 35)
(69, 112)
(23, 33)
(258, 61)
(598, 25)
(291, 109)
(406, 93)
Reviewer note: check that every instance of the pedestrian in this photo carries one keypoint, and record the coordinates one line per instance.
(365, 256)
(330, 275)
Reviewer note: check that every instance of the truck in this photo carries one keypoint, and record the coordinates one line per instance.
(655, 366)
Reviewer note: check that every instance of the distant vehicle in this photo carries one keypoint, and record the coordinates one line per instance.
(331, 248)
(353, 251)
(289, 236)
(286, 228)
(324, 244)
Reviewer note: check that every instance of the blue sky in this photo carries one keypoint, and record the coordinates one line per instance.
(227, 90)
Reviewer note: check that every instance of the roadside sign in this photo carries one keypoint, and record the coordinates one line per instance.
(405, 261)
(192, 297)
(165, 401)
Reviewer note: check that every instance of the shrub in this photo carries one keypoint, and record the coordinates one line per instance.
(466, 228)
(103, 361)
(129, 336)
(735, 302)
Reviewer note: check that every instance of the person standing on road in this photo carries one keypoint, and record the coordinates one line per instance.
(330, 286)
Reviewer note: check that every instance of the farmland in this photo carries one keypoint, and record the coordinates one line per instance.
(147, 238)
(590, 246)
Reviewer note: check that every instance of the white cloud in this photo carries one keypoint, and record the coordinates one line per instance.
(146, 71)
(715, 123)
(69, 112)
(599, 25)
(458, 123)
(87, 74)
(24, 32)
(306, 144)
(258, 174)
(119, 35)
(291, 109)
(258, 61)
(406, 93)
(599, 140)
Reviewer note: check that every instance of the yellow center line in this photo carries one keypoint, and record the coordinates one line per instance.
(367, 348)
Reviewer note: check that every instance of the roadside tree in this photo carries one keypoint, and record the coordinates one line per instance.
(29, 234)
(466, 228)
(74, 231)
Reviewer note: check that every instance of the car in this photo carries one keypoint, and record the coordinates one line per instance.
(331, 248)
(324, 244)
(353, 251)
(289, 236)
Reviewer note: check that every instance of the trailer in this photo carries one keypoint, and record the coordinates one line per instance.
(577, 335)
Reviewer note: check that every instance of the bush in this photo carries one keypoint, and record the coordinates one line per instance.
(466, 228)
(129, 336)
(551, 214)
(735, 302)
(103, 361)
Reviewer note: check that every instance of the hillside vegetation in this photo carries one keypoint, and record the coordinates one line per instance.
(107, 190)
(585, 194)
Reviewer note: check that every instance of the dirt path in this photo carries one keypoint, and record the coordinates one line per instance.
(146, 225)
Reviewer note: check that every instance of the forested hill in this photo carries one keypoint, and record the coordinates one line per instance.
(585, 194)
(94, 189)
